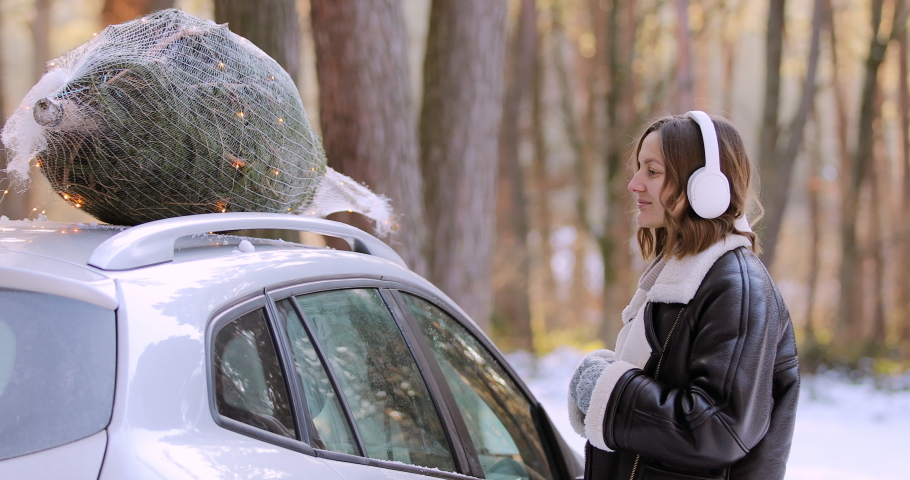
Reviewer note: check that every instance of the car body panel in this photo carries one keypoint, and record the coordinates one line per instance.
(163, 423)
(79, 460)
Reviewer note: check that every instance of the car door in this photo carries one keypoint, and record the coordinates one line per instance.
(367, 400)
(511, 435)
(385, 383)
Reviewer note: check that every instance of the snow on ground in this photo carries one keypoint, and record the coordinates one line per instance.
(844, 429)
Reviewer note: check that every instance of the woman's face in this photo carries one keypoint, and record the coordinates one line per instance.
(648, 182)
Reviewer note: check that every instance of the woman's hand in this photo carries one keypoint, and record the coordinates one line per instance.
(585, 378)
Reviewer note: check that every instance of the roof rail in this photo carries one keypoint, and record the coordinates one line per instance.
(153, 242)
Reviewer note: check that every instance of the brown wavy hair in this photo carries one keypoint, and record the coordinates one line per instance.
(683, 149)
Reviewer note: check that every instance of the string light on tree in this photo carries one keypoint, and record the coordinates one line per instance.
(144, 134)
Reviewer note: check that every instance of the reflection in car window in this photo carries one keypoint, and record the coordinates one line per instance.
(249, 385)
(332, 431)
(497, 414)
(378, 377)
(57, 357)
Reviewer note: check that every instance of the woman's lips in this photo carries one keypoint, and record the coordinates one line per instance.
(643, 204)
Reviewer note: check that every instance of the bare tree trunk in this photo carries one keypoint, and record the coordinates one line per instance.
(777, 169)
(544, 301)
(459, 131)
(366, 111)
(877, 231)
(41, 38)
(903, 232)
(685, 96)
(119, 11)
(770, 130)
(272, 25)
(511, 261)
(850, 309)
(622, 118)
(730, 21)
(581, 161)
(11, 204)
(815, 236)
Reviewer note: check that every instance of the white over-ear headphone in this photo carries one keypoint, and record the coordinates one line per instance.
(708, 188)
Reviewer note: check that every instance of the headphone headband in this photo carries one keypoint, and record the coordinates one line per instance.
(708, 189)
(709, 135)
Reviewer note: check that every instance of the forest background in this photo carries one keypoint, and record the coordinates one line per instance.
(503, 132)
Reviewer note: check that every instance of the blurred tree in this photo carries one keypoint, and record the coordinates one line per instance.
(581, 145)
(543, 298)
(272, 25)
(41, 38)
(11, 204)
(813, 241)
(877, 230)
(613, 230)
(903, 244)
(685, 80)
(459, 130)
(119, 11)
(849, 326)
(367, 113)
(511, 305)
(776, 158)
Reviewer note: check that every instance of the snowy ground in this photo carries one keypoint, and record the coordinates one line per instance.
(844, 430)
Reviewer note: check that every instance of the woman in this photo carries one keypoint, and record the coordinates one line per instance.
(704, 380)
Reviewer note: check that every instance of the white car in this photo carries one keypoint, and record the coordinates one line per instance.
(166, 351)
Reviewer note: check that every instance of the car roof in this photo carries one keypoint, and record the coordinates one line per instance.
(82, 261)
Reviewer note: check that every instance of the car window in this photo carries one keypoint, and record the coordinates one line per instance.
(390, 403)
(249, 384)
(331, 429)
(497, 414)
(57, 367)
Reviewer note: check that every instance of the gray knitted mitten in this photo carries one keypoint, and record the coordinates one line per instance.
(585, 378)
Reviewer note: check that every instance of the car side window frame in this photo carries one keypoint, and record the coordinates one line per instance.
(545, 429)
(221, 320)
(429, 370)
(320, 352)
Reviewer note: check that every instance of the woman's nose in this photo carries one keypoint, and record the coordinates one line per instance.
(634, 184)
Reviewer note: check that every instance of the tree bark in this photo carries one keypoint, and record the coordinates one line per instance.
(511, 261)
(850, 307)
(367, 112)
(903, 243)
(767, 146)
(622, 120)
(119, 11)
(41, 29)
(777, 166)
(581, 163)
(544, 300)
(815, 237)
(459, 130)
(11, 204)
(878, 193)
(685, 83)
(272, 25)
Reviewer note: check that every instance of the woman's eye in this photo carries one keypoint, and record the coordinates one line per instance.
(652, 172)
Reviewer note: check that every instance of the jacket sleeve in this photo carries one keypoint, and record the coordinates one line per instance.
(724, 407)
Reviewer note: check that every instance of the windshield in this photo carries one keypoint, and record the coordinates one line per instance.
(57, 362)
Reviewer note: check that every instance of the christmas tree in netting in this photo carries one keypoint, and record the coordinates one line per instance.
(172, 115)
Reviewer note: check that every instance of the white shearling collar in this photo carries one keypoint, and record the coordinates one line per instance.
(681, 277)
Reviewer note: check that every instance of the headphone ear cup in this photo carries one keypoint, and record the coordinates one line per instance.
(709, 193)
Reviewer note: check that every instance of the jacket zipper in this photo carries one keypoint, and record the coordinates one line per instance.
(656, 373)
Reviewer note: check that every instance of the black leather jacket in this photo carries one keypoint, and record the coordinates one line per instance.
(723, 403)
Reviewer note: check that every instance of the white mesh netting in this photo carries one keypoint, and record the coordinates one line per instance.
(172, 115)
